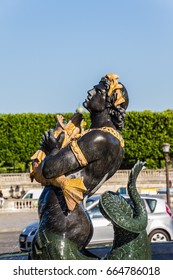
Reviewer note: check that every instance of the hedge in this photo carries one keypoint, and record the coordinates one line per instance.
(144, 133)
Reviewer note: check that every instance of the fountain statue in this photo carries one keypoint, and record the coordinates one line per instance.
(72, 164)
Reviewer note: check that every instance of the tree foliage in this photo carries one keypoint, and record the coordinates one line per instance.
(144, 134)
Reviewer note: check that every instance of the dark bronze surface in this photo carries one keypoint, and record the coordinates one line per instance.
(64, 234)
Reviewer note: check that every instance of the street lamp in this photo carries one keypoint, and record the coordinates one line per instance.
(79, 109)
(166, 148)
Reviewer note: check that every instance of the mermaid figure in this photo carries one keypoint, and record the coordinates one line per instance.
(73, 166)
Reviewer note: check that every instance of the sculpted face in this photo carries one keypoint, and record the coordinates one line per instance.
(96, 99)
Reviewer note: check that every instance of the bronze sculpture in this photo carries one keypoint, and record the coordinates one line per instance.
(129, 221)
(73, 165)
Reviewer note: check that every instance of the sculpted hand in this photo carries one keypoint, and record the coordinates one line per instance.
(49, 142)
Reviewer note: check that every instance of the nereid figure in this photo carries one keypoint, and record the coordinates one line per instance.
(75, 168)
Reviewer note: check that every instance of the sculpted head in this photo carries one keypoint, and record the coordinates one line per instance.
(109, 95)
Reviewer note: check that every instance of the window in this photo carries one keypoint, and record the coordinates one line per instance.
(95, 212)
(151, 203)
(29, 196)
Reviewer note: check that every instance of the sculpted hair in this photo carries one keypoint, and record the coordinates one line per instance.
(118, 112)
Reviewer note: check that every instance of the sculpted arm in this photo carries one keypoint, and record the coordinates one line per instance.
(60, 164)
(67, 161)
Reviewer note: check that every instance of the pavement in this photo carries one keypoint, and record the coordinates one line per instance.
(16, 221)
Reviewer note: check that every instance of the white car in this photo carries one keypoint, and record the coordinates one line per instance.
(160, 221)
(159, 228)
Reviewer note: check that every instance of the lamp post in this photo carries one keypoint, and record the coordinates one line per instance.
(79, 109)
(166, 148)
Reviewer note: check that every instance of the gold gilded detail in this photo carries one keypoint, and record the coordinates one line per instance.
(78, 153)
(72, 188)
(116, 88)
(120, 99)
(110, 130)
(114, 132)
(113, 83)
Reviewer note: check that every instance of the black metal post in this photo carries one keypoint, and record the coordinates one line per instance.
(167, 178)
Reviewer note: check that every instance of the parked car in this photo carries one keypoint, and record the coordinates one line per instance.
(26, 237)
(163, 191)
(33, 194)
(159, 228)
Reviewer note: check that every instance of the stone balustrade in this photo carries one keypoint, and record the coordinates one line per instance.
(147, 179)
(25, 177)
(19, 205)
(32, 205)
(145, 173)
(14, 177)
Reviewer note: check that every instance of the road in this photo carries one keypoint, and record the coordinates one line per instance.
(11, 224)
(9, 242)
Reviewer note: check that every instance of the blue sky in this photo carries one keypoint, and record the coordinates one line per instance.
(52, 52)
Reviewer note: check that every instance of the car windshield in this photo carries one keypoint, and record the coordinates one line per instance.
(29, 196)
(95, 212)
(89, 202)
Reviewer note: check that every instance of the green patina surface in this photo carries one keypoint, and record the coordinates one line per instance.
(129, 222)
